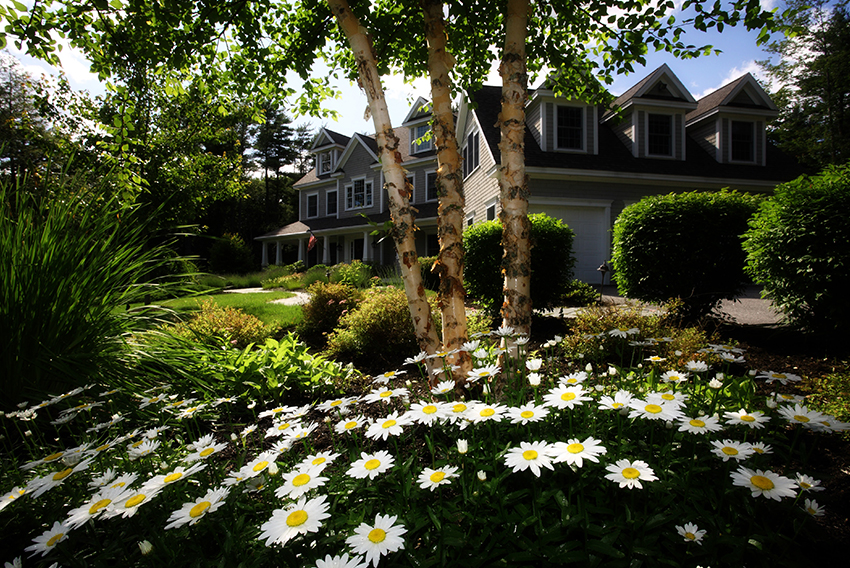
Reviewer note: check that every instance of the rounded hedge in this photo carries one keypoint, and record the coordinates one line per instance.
(552, 261)
(798, 248)
(683, 246)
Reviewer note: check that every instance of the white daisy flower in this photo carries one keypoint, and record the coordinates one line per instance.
(573, 378)
(371, 465)
(321, 460)
(799, 414)
(623, 331)
(341, 562)
(574, 452)
(565, 396)
(486, 372)
(655, 410)
(691, 533)
(385, 395)
(129, 505)
(299, 432)
(481, 412)
(12, 496)
(433, 478)
(702, 424)
(204, 449)
(191, 513)
(621, 399)
(530, 455)
(349, 425)
(392, 425)
(45, 542)
(751, 419)
(299, 518)
(765, 483)
(427, 413)
(416, 359)
(443, 387)
(96, 505)
(177, 474)
(674, 377)
(729, 449)
(675, 398)
(41, 485)
(142, 448)
(384, 378)
(807, 483)
(526, 413)
(277, 411)
(697, 366)
(300, 481)
(630, 473)
(761, 448)
(813, 508)
(457, 411)
(280, 428)
(377, 539)
(338, 404)
(783, 378)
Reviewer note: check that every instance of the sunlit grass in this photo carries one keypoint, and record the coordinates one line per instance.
(259, 304)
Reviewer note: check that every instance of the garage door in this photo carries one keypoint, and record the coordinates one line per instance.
(590, 225)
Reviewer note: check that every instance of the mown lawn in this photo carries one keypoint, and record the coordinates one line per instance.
(258, 304)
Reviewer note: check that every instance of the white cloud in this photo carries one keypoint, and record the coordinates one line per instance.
(750, 67)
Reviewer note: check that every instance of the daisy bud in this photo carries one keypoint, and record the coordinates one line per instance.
(771, 403)
(482, 475)
(273, 469)
(28, 433)
(252, 405)
(612, 371)
(233, 437)
(408, 384)
(668, 424)
(624, 411)
(580, 355)
(677, 353)
(752, 372)
(588, 368)
(462, 446)
(534, 379)
(720, 376)
(146, 547)
(715, 384)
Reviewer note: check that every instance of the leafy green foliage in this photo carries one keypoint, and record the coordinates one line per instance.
(580, 294)
(230, 255)
(70, 266)
(552, 261)
(797, 249)
(216, 324)
(683, 245)
(328, 302)
(377, 331)
(355, 274)
(430, 280)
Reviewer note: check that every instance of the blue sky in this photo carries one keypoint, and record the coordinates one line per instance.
(700, 76)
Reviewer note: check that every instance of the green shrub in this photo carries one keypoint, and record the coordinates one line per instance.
(356, 274)
(321, 314)
(430, 280)
(580, 294)
(230, 255)
(378, 331)
(317, 273)
(552, 261)
(215, 324)
(683, 245)
(798, 249)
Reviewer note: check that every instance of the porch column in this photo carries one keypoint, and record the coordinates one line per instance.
(367, 249)
(265, 261)
(326, 250)
(301, 250)
(278, 256)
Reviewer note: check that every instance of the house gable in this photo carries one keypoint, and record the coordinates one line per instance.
(327, 148)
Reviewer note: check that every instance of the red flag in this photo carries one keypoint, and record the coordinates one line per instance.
(312, 242)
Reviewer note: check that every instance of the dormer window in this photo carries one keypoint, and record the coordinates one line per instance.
(659, 137)
(570, 128)
(743, 141)
(324, 160)
(417, 144)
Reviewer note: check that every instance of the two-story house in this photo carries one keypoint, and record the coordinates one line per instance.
(585, 163)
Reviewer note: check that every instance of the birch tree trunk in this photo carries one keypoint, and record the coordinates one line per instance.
(449, 265)
(513, 181)
(395, 181)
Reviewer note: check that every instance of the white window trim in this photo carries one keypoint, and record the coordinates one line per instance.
(492, 203)
(368, 189)
(426, 146)
(673, 138)
(425, 198)
(470, 219)
(335, 192)
(583, 148)
(323, 159)
(307, 205)
(477, 135)
(754, 146)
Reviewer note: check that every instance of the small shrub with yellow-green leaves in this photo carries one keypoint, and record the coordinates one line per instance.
(214, 324)
(327, 304)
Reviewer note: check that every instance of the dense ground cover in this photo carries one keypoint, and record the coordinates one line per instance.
(597, 448)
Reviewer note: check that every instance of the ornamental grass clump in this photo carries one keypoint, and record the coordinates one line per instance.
(540, 461)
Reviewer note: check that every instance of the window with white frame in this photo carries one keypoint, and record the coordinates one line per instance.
(491, 212)
(417, 144)
(324, 160)
(331, 205)
(471, 154)
(358, 194)
(569, 128)
(743, 141)
(312, 205)
(659, 137)
(431, 186)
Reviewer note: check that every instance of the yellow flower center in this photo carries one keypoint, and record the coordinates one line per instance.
(729, 451)
(55, 456)
(388, 424)
(137, 444)
(778, 376)
(199, 509)
(385, 394)
(748, 418)
(119, 484)
(54, 539)
(59, 476)
(459, 407)
(296, 518)
(336, 403)
(171, 477)
(276, 410)
(102, 448)
(430, 409)
(261, 466)
(668, 396)
(616, 405)
(350, 425)
(437, 476)
(372, 464)
(568, 396)
(652, 408)
(284, 426)
(483, 374)
(690, 536)
(575, 448)
(697, 423)
(301, 479)
(526, 414)
(319, 461)
(487, 412)
(529, 455)
(99, 505)
(389, 374)
(804, 485)
(135, 500)
(572, 381)
(801, 418)
(377, 535)
(631, 473)
(762, 482)
(205, 452)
